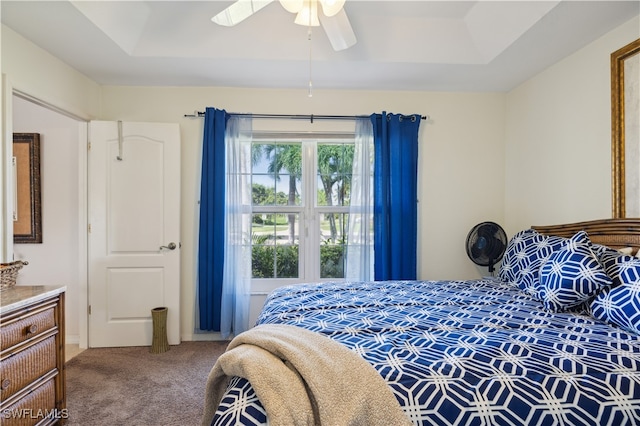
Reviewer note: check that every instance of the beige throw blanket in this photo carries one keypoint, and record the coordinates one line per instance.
(304, 378)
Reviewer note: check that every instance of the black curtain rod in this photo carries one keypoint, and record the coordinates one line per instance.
(311, 117)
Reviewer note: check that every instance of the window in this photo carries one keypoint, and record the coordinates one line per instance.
(300, 209)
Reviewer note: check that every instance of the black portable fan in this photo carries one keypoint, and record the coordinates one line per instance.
(486, 244)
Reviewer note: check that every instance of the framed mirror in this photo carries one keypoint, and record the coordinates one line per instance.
(27, 217)
(625, 130)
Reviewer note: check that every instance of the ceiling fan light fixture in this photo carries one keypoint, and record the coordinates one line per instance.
(292, 6)
(331, 7)
(333, 18)
(308, 15)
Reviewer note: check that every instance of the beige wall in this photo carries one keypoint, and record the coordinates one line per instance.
(461, 158)
(558, 138)
(34, 71)
(55, 260)
(539, 154)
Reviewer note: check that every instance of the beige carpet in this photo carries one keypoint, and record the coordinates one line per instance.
(130, 386)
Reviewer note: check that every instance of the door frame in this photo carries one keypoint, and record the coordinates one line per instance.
(83, 236)
(6, 153)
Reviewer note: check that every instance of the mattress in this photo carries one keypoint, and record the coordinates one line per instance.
(473, 352)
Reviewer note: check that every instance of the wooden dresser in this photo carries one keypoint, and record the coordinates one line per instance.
(32, 381)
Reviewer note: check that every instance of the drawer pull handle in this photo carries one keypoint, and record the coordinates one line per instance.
(32, 329)
(5, 384)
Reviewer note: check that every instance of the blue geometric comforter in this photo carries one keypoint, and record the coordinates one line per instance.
(477, 352)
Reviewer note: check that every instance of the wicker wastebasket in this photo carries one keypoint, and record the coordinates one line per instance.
(9, 273)
(159, 343)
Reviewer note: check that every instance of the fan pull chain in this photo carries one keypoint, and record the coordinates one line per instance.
(310, 83)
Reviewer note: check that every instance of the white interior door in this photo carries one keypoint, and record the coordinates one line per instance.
(134, 231)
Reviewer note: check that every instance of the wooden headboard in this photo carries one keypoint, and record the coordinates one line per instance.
(615, 233)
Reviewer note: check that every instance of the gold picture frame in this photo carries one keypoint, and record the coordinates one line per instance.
(625, 130)
(27, 211)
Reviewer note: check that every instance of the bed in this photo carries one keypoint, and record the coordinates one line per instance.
(553, 339)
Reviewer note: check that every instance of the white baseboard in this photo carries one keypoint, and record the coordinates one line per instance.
(202, 337)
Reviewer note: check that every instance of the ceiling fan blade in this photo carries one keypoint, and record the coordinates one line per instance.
(338, 29)
(239, 11)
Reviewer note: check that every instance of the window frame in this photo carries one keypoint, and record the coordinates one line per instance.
(309, 211)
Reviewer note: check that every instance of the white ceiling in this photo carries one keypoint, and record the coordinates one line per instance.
(402, 45)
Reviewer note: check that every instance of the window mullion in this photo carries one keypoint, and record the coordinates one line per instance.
(311, 264)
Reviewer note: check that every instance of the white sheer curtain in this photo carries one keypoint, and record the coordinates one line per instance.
(236, 285)
(360, 236)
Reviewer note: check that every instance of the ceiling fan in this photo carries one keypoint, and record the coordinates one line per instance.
(332, 17)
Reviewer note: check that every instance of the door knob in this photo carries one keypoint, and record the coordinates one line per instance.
(170, 246)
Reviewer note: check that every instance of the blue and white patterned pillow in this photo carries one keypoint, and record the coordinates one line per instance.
(620, 304)
(621, 268)
(599, 250)
(571, 276)
(526, 252)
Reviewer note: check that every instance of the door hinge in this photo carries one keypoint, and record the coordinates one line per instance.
(89, 310)
(88, 146)
(89, 228)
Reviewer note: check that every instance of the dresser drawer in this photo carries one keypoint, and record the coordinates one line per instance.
(29, 410)
(26, 366)
(25, 328)
(32, 377)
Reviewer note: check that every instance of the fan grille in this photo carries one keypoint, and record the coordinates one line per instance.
(486, 244)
